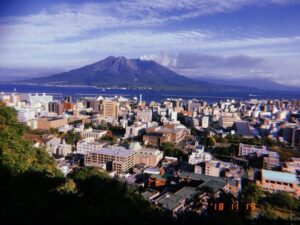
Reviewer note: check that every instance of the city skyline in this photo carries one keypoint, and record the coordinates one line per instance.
(219, 39)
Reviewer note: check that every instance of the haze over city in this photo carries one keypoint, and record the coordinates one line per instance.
(216, 39)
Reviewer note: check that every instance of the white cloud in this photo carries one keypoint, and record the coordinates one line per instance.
(69, 35)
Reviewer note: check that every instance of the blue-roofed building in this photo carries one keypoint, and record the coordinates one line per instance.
(273, 181)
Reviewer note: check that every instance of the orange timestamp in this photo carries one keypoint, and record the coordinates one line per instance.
(220, 206)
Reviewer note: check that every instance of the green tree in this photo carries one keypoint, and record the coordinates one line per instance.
(283, 200)
(251, 194)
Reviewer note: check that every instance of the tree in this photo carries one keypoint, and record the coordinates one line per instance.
(109, 138)
(251, 194)
(72, 137)
(283, 200)
(169, 149)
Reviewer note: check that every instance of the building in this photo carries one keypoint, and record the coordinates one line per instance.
(134, 130)
(173, 116)
(227, 121)
(45, 123)
(110, 109)
(213, 168)
(292, 166)
(119, 160)
(10, 99)
(290, 132)
(93, 133)
(144, 115)
(56, 107)
(158, 135)
(199, 156)
(148, 156)
(245, 150)
(205, 122)
(68, 105)
(34, 99)
(58, 146)
(273, 181)
(95, 105)
(243, 129)
(25, 115)
(271, 161)
(87, 144)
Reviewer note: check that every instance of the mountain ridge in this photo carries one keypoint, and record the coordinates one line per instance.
(129, 73)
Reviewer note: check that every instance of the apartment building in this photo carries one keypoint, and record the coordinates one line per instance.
(120, 159)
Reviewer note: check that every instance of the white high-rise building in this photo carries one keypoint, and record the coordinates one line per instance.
(205, 122)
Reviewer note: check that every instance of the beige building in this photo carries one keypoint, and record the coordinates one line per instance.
(45, 123)
(110, 109)
(213, 168)
(158, 135)
(148, 156)
(121, 159)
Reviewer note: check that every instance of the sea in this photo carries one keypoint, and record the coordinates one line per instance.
(149, 95)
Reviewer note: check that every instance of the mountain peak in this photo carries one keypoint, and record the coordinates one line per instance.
(111, 57)
(122, 72)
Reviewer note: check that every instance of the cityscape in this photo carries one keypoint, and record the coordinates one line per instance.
(115, 112)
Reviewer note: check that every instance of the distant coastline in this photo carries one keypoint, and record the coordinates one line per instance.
(148, 95)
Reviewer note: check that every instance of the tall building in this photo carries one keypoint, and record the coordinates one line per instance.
(110, 109)
(95, 105)
(56, 107)
(205, 122)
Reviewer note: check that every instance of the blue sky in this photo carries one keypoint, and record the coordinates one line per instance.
(215, 38)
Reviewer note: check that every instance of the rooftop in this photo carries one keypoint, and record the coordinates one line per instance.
(120, 152)
(279, 176)
(187, 192)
